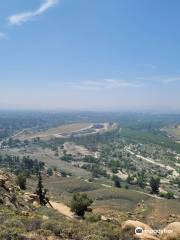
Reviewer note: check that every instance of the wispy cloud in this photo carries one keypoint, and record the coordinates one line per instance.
(160, 79)
(3, 36)
(147, 65)
(20, 18)
(137, 82)
(106, 84)
(170, 80)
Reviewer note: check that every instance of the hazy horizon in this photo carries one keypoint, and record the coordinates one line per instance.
(67, 55)
(106, 111)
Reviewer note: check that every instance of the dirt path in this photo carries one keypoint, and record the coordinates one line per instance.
(148, 194)
(105, 185)
(63, 209)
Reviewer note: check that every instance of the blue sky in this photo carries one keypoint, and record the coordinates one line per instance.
(90, 54)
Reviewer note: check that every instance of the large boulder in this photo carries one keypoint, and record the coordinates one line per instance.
(6, 181)
(145, 236)
(130, 227)
(171, 232)
(31, 197)
(4, 176)
(3, 179)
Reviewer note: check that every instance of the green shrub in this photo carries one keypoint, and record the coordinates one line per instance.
(91, 217)
(126, 186)
(52, 226)
(168, 195)
(80, 203)
(21, 181)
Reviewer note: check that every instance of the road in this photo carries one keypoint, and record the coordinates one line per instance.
(15, 135)
(150, 160)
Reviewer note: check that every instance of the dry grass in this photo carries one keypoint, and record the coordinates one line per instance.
(48, 156)
(173, 132)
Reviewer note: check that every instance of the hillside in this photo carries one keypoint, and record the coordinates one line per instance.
(130, 172)
(22, 219)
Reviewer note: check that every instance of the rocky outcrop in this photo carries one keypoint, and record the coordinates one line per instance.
(129, 230)
(145, 236)
(138, 230)
(131, 225)
(6, 181)
(32, 198)
(8, 190)
(171, 232)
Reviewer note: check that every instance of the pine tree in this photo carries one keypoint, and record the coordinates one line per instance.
(41, 192)
(155, 184)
